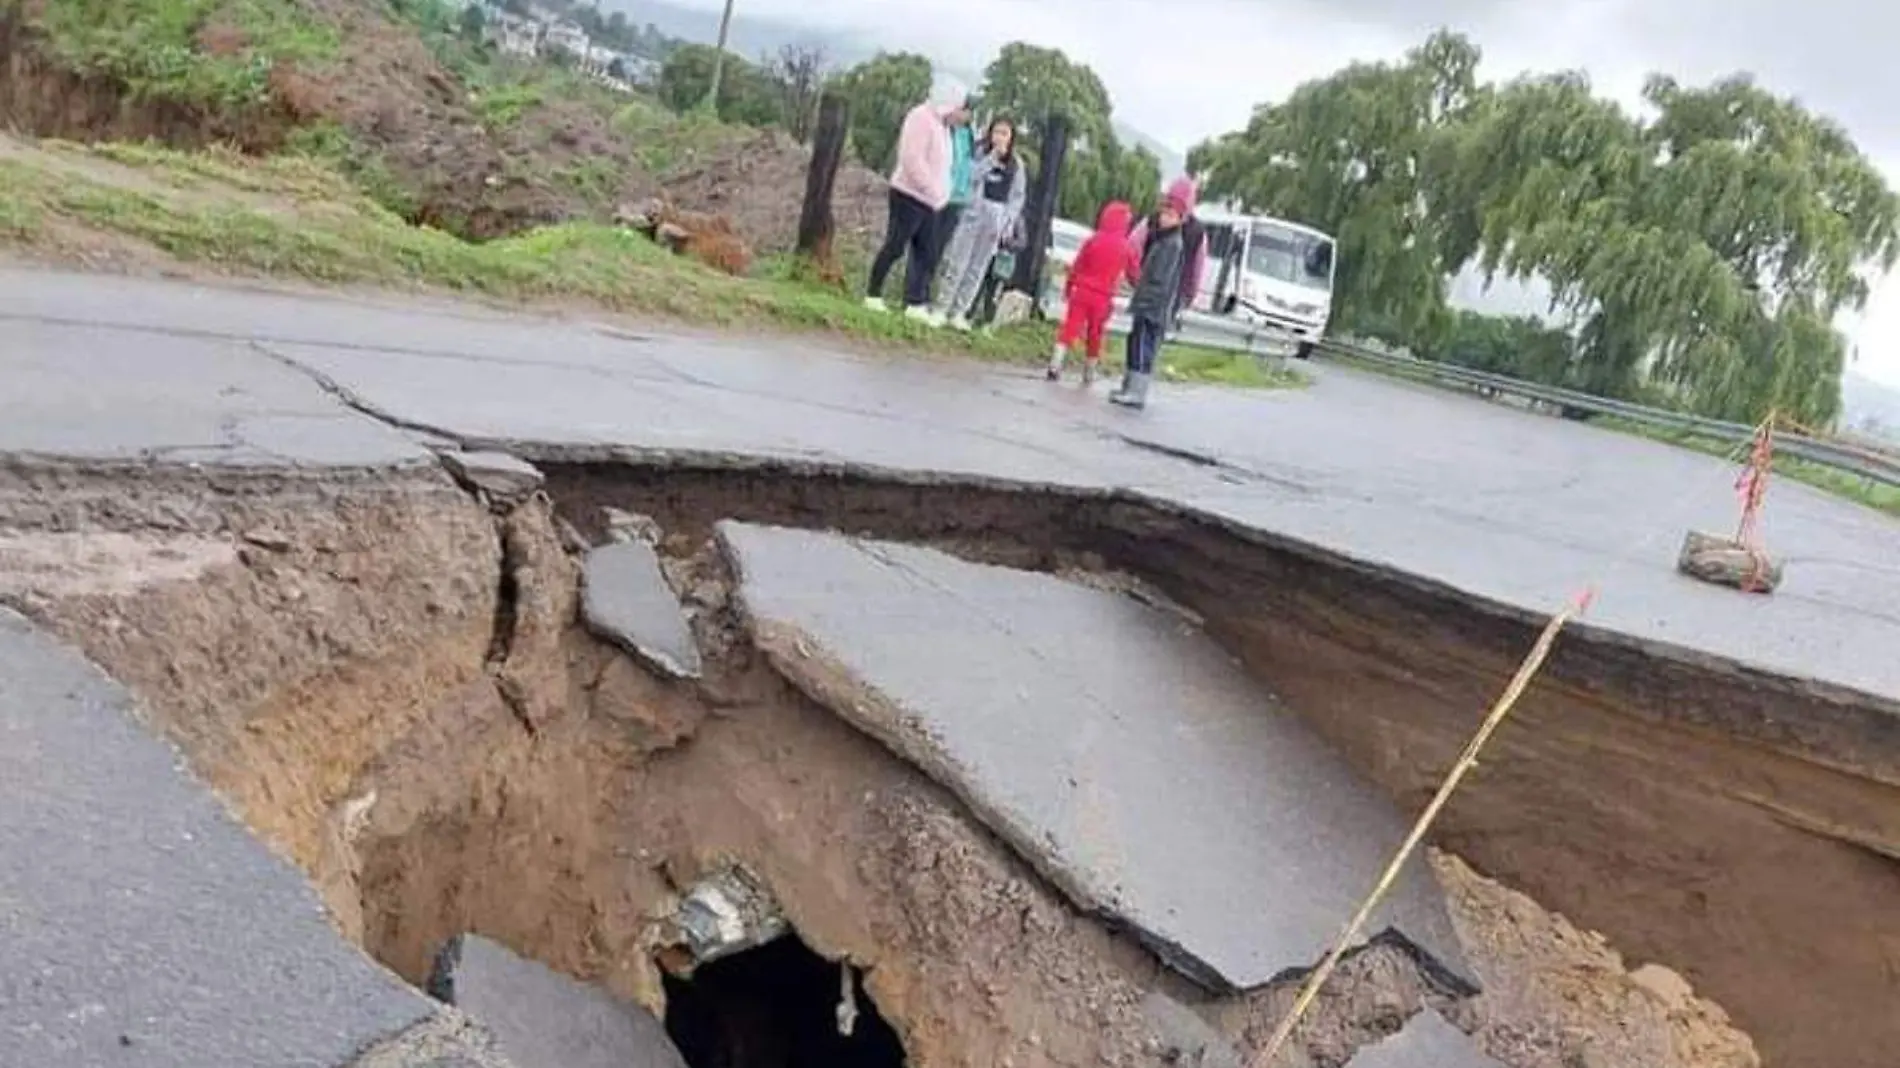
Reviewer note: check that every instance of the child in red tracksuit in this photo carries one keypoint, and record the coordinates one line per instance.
(1104, 261)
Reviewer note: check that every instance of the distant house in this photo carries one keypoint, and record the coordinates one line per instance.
(567, 37)
(637, 70)
(513, 35)
(598, 60)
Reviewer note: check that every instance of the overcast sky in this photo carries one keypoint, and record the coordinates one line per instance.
(1181, 70)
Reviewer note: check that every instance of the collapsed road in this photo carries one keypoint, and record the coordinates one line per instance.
(392, 669)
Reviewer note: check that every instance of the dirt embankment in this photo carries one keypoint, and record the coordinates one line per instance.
(1739, 828)
(388, 683)
(418, 139)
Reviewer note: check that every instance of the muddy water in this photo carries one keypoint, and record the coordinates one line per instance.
(444, 751)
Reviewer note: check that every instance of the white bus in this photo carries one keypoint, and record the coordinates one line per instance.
(1269, 271)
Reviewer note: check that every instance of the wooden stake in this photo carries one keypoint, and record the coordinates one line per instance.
(1466, 761)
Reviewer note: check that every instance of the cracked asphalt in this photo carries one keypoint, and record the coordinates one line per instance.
(1518, 508)
(1521, 509)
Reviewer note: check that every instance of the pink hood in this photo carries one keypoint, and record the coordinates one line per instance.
(923, 155)
(1114, 219)
(1183, 191)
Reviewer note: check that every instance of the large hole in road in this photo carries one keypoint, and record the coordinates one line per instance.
(779, 1005)
(324, 652)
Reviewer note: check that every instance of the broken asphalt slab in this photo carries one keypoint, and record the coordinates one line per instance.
(1426, 1041)
(1514, 508)
(140, 923)
(503, 480)
(542, 1019)
(1114, 746)
(625, 599)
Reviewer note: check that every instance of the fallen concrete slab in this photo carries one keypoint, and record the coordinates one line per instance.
(1426, 1041)
(143, 925)
(504, 480)
(625, 599)
(542, 1019)
(1119, 750)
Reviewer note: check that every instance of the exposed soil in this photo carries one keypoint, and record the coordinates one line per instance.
(39, 95)
(760, 185)
(388, 684)
(411, 117)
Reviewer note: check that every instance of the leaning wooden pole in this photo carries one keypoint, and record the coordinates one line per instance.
(1466, 761)
(815, 222)
(1044, 192)
(719, 59)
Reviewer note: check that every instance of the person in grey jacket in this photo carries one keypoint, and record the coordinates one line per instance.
(1152, 306)
(998, 189)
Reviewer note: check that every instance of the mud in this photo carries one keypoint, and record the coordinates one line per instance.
(39, 94)
(389, 684)
(418, 141)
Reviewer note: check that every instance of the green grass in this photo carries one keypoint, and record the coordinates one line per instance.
(666, 143)
(154, 47)
(304, 219)
(504, 104)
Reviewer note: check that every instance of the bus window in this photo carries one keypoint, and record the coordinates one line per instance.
(1287, 255)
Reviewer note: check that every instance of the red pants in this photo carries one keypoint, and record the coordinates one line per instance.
(1088, 316)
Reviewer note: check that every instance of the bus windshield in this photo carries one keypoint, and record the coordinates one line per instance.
(1288, 255)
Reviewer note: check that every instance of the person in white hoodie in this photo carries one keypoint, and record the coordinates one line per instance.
(999, 188)
(920, 187)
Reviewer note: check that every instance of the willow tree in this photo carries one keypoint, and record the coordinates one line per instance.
(1704, 254)
(1355, 154)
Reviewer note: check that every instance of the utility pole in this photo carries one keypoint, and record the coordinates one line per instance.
(719, 60)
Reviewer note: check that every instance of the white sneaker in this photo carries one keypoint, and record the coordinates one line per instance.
(876, 304)
(960, 323)
(922, 313)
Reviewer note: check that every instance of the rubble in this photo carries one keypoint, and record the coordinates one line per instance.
(1426, 1041)
(625, 599)
(1727, 562)
(541, 1019)
(728, 912)
(503, 480)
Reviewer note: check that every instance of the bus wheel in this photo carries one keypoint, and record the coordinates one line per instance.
(1304, 351)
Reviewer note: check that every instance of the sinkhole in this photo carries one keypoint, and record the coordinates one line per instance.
(778, 1005)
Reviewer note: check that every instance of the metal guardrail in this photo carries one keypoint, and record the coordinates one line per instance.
(1235, 335)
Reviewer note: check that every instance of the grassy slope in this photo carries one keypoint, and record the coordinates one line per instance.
(296, 217)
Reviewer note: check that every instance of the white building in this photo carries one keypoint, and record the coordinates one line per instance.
(513, 35)
(598, 59)
(569, 38)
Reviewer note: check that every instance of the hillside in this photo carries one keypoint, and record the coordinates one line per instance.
(754, 35)
(406, 100)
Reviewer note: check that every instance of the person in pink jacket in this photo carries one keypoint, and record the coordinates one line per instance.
(1193, 247)
(920, 187)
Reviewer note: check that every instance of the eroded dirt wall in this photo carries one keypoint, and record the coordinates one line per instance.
(442, 749)
(1741, 828)
(1766, 876)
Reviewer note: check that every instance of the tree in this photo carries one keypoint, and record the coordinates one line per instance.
(1353, 154)
(1698, 257)
(1028, 82)
(472, 23)
(798, 75)
(1705, 253)
(1098, 173)
(746, 95)
(881, 91)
